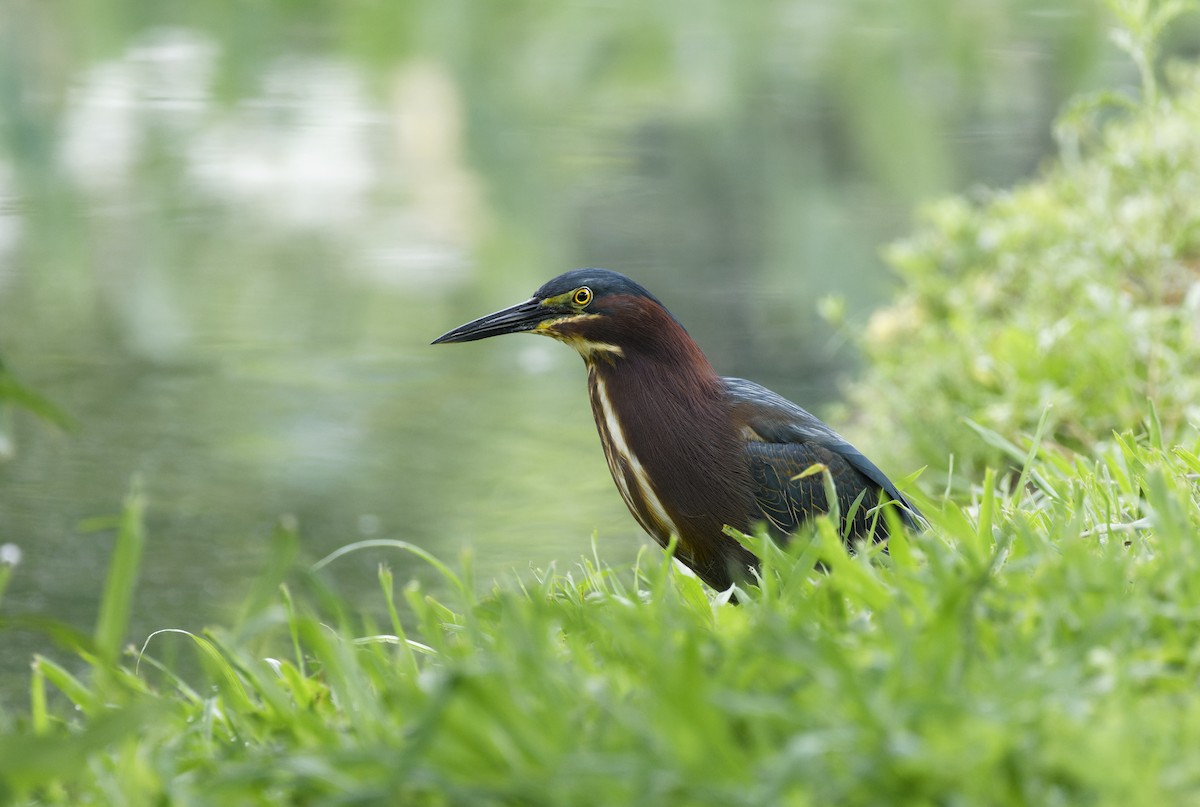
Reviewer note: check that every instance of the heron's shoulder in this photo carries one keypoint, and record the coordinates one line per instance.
(773, 418)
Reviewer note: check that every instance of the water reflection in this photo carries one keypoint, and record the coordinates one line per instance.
(226, 262)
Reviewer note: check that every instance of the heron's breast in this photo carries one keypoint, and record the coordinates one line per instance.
(628, 472)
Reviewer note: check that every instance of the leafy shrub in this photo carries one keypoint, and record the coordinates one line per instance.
(1076, 295)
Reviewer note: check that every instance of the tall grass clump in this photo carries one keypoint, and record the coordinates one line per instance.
(1038, 645)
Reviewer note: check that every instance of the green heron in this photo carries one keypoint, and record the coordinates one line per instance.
(692, 452)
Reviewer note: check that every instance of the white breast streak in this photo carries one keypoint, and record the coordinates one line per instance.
(639, 473)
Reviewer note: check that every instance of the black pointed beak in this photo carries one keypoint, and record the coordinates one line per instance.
(514, 319)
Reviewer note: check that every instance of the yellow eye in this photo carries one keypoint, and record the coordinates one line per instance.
(582, 296)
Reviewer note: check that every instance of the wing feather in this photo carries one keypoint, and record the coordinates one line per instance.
(785, 441)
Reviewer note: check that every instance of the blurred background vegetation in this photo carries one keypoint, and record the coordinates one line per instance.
(229, 230)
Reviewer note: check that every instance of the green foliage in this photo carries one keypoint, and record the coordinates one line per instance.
(1076, 295)
(1036, 646)
(15, 393)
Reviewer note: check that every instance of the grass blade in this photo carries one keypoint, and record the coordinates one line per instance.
(122, 577)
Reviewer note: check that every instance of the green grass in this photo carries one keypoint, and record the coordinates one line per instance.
(1038, 646)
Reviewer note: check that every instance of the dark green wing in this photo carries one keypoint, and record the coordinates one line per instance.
(785, 441)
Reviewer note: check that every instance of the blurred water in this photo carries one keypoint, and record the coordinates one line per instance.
(225, 258)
